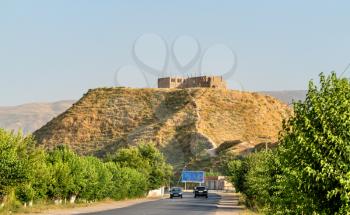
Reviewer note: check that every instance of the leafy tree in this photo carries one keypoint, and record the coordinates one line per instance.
(36, 185)
(62, 182)
(126, 182)
(15, 160)
(25, 192)
(254, 176)
(147, 159)
(131, 157)
(96, 177)
(237, 170)
(161, 171)
(28, 173)
(309, 173)
(315, 151)
(261, 178)
(104, 181)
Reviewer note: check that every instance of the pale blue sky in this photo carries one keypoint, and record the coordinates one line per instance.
(54, 50)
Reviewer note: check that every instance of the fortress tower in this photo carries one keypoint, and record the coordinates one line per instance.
(201, 81)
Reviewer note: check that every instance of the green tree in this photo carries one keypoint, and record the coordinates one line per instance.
(36, 185)
(96, 177)
(255, 177)
(315, 151)
(237, 170)
(63, 164)
(147, 159)
(161, 171)
(17, 159)
(126, 182)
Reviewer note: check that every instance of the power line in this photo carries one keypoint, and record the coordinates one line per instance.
(346, 68)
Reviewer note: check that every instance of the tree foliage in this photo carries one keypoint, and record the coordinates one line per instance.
(16, 160)
(30, 173)
(146, 158)
(309, 173)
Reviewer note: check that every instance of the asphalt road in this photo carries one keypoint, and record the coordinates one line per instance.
(177, 206)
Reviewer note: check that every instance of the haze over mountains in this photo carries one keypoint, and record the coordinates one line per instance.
(287, 96)
(30, 117)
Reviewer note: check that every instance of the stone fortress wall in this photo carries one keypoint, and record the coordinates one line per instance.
(192, 82)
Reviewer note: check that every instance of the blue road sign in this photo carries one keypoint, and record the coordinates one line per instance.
(193, 176)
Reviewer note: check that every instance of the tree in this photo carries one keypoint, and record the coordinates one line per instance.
(126, 182)
(36, 185)
(147, 159)
(96, 177)
(16, 156)
(131, 157)
(315, 151)
(63, 164)
(161, 171)
(254, 176)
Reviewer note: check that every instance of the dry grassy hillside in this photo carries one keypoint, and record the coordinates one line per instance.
(180, 122)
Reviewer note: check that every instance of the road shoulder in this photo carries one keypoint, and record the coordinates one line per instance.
(229, 205)
(97, 207)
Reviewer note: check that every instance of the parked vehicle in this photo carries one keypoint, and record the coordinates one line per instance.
(200, 191)
(176, 192)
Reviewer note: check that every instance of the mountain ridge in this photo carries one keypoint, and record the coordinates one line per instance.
(31, 116)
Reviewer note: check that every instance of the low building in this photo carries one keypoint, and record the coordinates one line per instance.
(192, 82)
(218, 183)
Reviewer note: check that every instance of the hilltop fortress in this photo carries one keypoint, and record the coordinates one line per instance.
(192, 82)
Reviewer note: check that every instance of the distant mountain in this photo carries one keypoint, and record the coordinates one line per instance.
(287, 96)
(30, 117)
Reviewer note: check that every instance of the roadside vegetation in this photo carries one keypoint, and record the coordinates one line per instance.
(309, 171)
(31, 175)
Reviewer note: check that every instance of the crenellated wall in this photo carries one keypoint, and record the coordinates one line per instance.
(193, 82)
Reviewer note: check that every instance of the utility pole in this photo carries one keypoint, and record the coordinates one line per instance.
(181, 175)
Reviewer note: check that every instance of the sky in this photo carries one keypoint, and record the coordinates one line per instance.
(58, 49)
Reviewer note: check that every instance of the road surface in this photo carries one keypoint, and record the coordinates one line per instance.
(216, 204)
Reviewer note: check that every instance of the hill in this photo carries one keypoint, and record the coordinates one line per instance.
(30, 117)
(181, 122)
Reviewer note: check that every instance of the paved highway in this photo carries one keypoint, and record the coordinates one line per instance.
(216, 204)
